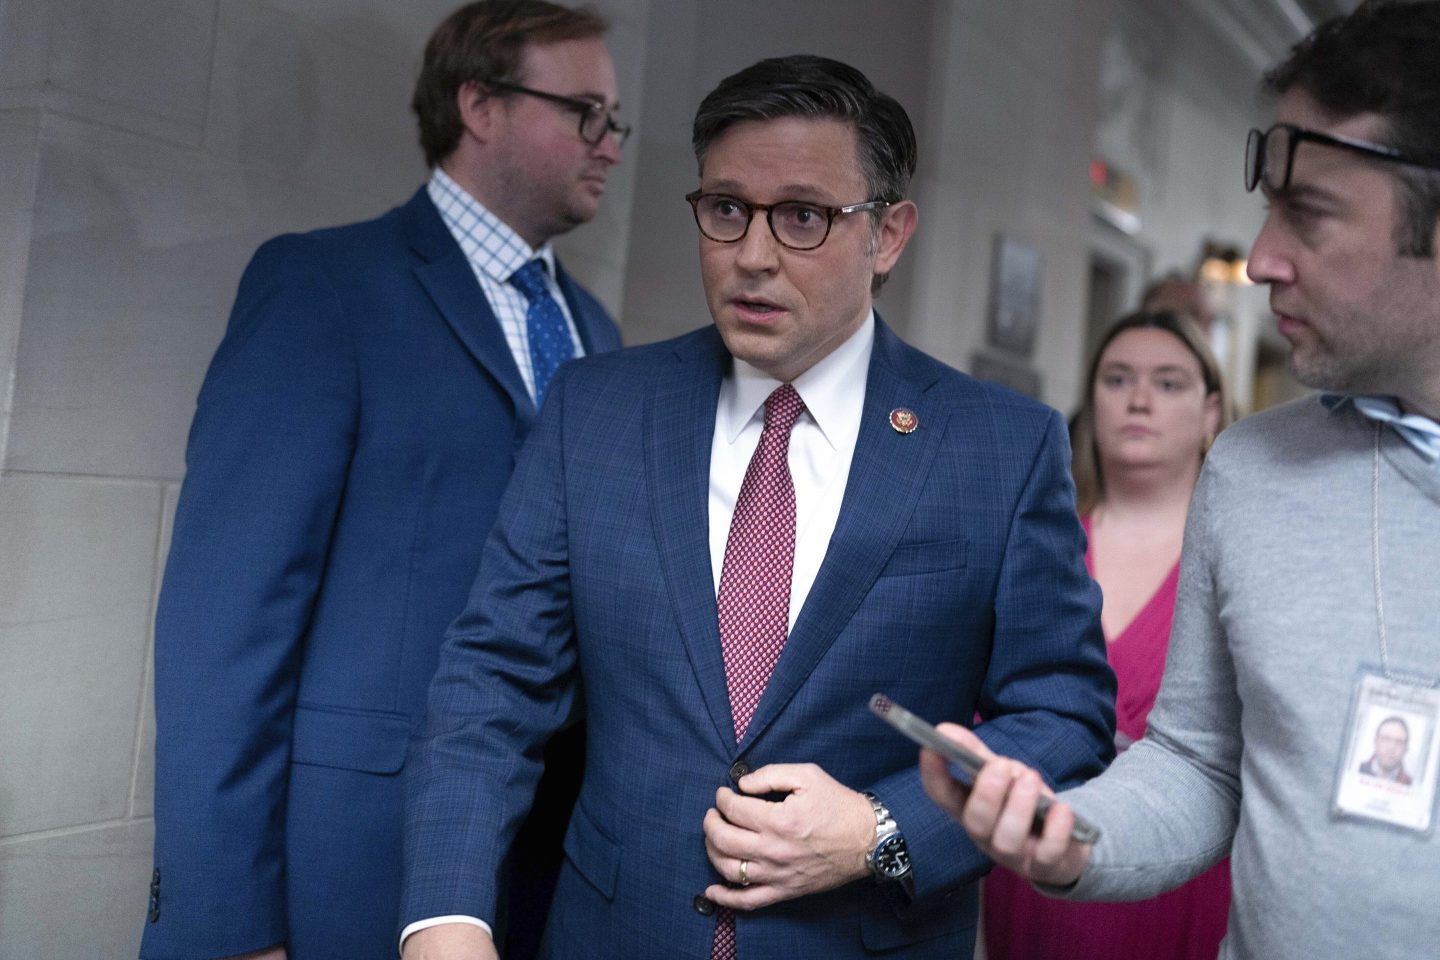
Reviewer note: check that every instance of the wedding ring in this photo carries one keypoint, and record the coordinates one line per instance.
(744, 873)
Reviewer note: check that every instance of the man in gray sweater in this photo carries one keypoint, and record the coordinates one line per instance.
(1308, 615)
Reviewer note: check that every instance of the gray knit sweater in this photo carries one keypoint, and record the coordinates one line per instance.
(1276, 614)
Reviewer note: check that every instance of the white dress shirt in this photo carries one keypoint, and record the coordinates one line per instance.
(822, 444)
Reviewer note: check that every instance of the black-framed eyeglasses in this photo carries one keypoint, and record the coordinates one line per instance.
(1270, 154)
(793, 223)
(595, 120)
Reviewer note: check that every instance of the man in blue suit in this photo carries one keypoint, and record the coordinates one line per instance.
(352, 440)
(722, 546)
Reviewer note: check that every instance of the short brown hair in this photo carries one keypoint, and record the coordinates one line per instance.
(1084, 455)
(484, 41)
(1382, 59)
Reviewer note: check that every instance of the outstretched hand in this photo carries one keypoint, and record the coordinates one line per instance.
(999, 809)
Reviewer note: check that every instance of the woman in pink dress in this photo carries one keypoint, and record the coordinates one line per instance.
(1153, 405)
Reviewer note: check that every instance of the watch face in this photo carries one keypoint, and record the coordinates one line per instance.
(891, 858)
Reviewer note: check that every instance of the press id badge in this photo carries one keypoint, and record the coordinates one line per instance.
(1388, 765)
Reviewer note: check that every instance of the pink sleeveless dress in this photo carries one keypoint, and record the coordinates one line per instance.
(1184, 924)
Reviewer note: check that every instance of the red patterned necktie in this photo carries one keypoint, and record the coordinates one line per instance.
(754, 598)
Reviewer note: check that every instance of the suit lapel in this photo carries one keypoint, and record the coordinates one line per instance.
(447, 276)
(887, 473)
(680, 429)
(597, 333)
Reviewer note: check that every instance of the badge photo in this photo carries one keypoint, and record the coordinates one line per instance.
(1387, 772)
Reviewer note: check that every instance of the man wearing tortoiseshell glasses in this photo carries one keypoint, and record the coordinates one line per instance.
(1307, 617)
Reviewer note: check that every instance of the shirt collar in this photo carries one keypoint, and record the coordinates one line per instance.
(1422, 433)
(828, 389)
(488, 242)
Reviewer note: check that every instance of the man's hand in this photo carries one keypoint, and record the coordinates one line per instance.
(276, 952)
(815, 839)
(998, 811)
(450, 941)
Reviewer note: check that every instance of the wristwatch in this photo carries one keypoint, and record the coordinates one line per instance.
(888, 860)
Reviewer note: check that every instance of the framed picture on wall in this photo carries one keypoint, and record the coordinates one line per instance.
(1014, 296)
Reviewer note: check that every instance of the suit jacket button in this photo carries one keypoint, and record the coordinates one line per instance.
(703, 905)
(738, 769)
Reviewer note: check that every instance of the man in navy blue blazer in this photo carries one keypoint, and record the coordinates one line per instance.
(352, 440)
(721, 546)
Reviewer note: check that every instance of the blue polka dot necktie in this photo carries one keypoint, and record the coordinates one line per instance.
(549, 334)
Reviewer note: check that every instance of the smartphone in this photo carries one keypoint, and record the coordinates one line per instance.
(965, 764)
